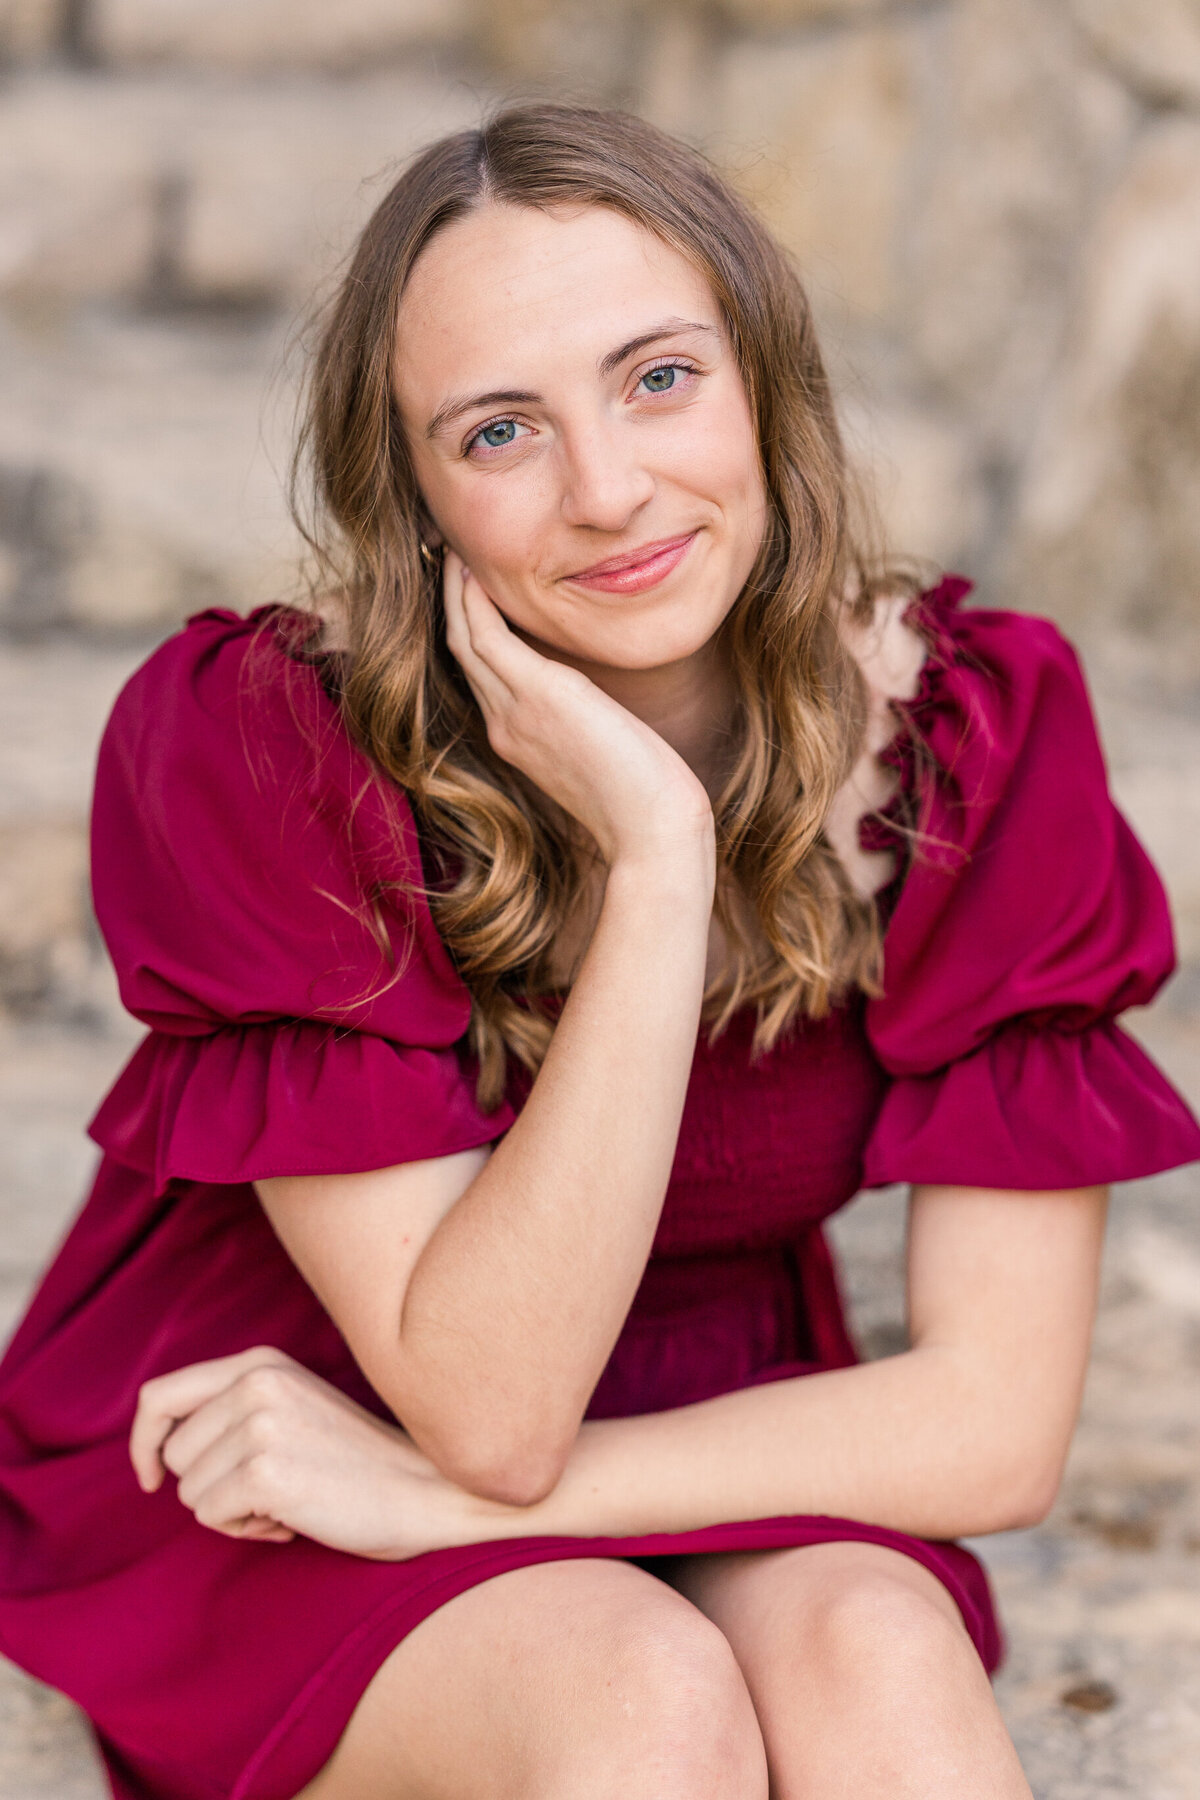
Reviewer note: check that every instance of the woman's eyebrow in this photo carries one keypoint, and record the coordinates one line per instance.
(451, 409)
(458, 404)
(667, 328)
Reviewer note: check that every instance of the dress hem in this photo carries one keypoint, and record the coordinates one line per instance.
(302, 1740)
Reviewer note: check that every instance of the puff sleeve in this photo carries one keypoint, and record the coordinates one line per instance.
(259, 892)
(1028, 918)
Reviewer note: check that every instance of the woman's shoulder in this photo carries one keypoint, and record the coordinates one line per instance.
(922, 651)
(992, 696)
(227, 752)
(952, 695)
(224, 675)
(985, 651)
(245, 709)
(247, 858)
(1027, 918)
(1019, 863)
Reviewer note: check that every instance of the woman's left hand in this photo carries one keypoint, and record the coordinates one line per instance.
(264, 1449)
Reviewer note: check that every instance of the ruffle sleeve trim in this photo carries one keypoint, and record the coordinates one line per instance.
(1034, 1109)
(1022, 918)
(289, 1098)
(928, 731)
(261, 891)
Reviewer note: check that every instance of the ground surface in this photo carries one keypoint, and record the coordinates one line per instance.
(1102, 1686)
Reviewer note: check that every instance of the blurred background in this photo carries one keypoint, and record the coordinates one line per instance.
(996, 204)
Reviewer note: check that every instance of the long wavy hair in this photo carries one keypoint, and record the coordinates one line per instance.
(509, 868)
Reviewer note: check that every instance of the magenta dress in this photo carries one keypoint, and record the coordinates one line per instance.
(236, 834)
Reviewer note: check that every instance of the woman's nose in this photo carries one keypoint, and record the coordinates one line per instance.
(604, 481)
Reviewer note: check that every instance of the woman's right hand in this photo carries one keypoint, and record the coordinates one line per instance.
(625, 785)
(264, 1449)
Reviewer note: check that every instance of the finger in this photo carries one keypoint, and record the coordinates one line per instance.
(218, 1511)
(191, 1437)
(234, 1483)
(240, 1467)
(494, 641)
(491, 692)
(166, 1399)
(261, 1531)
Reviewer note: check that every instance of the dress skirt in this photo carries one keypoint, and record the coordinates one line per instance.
(213, 1666)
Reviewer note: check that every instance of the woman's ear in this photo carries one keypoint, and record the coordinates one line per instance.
(429, 532)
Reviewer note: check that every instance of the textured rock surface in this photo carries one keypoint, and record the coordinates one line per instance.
(29, 29)
(1153, 44)
(1013, 163)
(821, 132)
(1107, 524)
(191, 186)
(269, 34)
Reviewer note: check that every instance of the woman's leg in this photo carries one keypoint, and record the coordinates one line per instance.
(863, 1676)
(562, 1681)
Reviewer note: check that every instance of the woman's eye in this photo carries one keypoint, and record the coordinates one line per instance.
(497, 435)
(665, 377)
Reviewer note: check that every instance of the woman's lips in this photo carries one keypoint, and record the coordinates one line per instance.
(640, 569)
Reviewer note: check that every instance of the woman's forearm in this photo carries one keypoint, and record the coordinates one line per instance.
(966, 1432)
(517, 1299)
(923, 1442)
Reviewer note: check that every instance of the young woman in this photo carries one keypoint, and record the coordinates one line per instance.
(537, 944)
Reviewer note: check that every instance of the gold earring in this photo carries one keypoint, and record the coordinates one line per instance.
(428, 556)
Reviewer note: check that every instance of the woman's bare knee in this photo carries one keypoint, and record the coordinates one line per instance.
(568, 1680)
(863, 1676)
(887, 1609)
(677, 1721)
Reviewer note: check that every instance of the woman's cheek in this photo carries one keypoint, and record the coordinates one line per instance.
(502, 546)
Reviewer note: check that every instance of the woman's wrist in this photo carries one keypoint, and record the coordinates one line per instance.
(678, 881)
(575, 1506)
(675, 855)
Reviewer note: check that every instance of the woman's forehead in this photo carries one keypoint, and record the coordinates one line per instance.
(522, 287)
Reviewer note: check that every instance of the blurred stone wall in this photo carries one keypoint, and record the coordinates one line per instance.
(996, 203)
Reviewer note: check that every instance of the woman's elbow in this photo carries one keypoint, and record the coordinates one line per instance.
(1019, 1495)
(1033, 1495)
(507, 1470)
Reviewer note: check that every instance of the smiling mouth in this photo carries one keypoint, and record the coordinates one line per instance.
(637, 569)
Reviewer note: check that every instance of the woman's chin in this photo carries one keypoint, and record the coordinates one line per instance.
(630, 635)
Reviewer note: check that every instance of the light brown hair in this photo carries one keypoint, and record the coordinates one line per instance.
(799, 936)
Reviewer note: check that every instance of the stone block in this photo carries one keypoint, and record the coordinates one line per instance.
(54, 700)
(43, 904)
(568, 49)
(46, 1749)
(29, 29)
(919, 477)
(821, 135)
(55, 697)
(782, 15)
(1163, 805)
(198, 186)
(1154, 45)
(1106, 522)
(1023, 134)
(141, 474)
(78, 165)
(269, 34)
(1153, 751)
(277, 181)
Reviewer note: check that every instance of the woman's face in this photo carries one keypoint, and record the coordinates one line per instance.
(580, 430)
